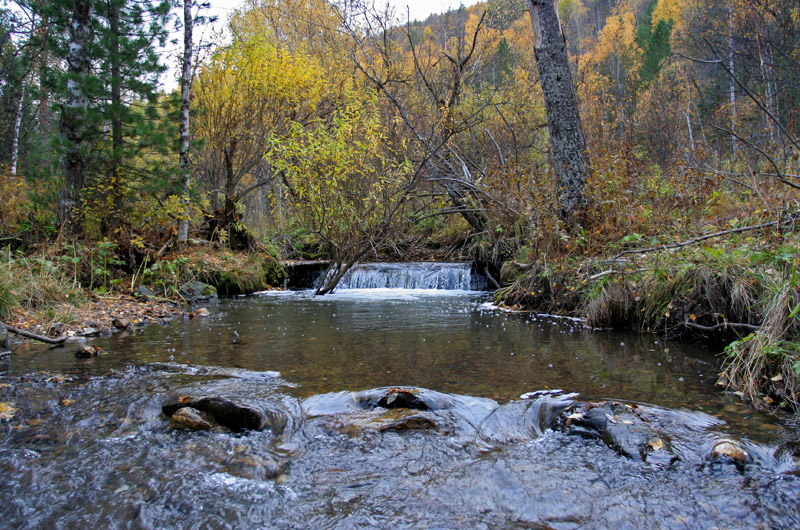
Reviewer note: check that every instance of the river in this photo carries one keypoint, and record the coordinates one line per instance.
(89, 445)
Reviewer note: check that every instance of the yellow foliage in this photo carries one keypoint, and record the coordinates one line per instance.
(669, 10)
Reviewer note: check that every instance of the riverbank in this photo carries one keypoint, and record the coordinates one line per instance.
(740, 291)
(98, 316)
(61, 292)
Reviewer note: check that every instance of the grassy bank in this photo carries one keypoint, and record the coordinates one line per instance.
(740, 289)
(58, 288)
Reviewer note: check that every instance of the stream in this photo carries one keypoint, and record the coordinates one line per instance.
(389, 408)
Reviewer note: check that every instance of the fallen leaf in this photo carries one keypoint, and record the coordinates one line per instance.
(656, 444)
(7, 411)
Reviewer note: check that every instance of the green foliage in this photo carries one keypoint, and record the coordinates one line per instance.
(654, 40)
(168, 276)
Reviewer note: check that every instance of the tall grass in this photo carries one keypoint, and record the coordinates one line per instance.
(29, 283)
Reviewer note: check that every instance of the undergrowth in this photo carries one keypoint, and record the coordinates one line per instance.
(744, 290)
(35, 284)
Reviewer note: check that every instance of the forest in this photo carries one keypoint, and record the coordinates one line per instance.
(340, 130)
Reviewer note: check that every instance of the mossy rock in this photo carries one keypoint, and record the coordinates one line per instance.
(197, 291)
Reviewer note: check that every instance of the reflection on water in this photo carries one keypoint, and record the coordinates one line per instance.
(443, 341)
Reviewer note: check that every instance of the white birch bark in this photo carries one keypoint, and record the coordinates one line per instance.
(73, 114)
(17, 129)
(186, 89)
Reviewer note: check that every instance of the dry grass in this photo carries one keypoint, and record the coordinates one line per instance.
(766, 364)
(35, 284)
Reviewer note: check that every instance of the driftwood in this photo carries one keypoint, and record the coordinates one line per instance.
(41, 338)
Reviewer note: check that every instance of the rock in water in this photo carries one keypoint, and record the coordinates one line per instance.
(415, 422)
(255, 467)
(234, 416)
(191, 419)
(196, 291)
(729, 449)
(3, 336)
(619, 428)
(86, 352)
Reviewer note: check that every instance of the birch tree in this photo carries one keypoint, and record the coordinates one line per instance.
(186, 89)
(72, 128)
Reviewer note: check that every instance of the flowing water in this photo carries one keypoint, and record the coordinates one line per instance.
(480, 448)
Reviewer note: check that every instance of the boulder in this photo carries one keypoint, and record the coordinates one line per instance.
(197, 291)
(121, 323)
(234, 416)
(192, 419)
(145, 292)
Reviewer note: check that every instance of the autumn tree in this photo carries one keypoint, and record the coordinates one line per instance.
(248, 94)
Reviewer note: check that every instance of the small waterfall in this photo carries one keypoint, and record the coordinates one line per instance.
(416, 275)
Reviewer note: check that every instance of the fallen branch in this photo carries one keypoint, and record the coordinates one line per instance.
(722, 325)
(673, 246)
(613, 271)
(41, 338)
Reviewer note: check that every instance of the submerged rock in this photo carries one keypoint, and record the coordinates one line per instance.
(234, 416)
(357, 424)
(414, 422)
(618, 426)
(197, 291)
(255, 467)
(192, 419)
(86, 352)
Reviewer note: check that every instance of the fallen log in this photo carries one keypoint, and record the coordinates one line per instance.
(41, 338)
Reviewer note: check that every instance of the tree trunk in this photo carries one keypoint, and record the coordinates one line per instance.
(563, 119)
(732, 79)
(73, 115)
(17, 129)
(186, 88)
(112, 216)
